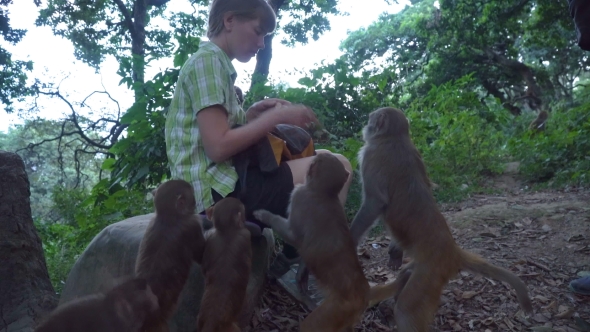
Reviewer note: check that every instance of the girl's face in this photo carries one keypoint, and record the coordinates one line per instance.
(244, 37)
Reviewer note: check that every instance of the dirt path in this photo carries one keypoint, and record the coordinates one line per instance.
(544, 237)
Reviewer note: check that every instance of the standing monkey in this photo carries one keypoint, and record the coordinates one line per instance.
(172, 241)
(318, 228)
(122, 309)
(396, 188)
(538, 124)
(226, 265)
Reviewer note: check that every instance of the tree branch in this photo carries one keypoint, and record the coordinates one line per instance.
(127, 15)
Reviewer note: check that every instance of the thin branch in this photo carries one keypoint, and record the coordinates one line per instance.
(74, 119)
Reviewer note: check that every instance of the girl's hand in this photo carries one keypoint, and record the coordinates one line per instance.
(296, 114)
(264, 105)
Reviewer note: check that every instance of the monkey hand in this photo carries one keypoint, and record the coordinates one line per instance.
(264, 216)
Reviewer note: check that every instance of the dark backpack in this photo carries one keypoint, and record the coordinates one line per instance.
(284, 142)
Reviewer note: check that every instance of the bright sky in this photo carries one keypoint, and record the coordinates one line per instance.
(54, 60)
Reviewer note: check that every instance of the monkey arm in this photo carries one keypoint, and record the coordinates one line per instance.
(278, 224)
(370, 210)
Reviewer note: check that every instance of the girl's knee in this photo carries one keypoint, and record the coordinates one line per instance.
(344, 161)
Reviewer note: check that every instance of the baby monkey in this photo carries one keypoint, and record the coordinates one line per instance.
(172, 241)
(226, 265)
(122, 309)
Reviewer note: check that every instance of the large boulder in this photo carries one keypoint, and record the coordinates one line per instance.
(112, 253)
(26, 293)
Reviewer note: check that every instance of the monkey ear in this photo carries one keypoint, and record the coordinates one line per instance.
(239, 219)
(380, 121)
(181, 204)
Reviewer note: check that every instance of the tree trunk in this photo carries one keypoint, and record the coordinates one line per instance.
(265, 55)
(534, 93)
(26, 294)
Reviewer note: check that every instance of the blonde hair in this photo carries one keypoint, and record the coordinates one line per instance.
(242, 9)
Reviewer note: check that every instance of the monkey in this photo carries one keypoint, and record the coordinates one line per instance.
(317, 227)
(172, 241)
(533, 101)
(539, 123)
(239, 95)
(226, 265)
(397, 189)
(121, 309)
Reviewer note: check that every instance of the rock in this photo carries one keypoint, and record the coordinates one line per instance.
(26, 293)
(112, 253)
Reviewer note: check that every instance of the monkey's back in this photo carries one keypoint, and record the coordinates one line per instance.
(89, 313)
(226, 265)
(397, 166)
(165, 256)
(327, 247)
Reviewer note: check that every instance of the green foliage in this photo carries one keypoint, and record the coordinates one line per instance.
(58, 162)
(460, 138)
(13, 73)
(509, 46)
(560, 153)
(308, 19)
(82, 220)
(61, 249)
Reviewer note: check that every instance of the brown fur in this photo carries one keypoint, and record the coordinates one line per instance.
(538, 124)
(172, 241)
(396, 188)
(318, 228)
(226, 266)
(122, 309)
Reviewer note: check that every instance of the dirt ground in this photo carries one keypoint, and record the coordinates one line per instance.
(542, 236)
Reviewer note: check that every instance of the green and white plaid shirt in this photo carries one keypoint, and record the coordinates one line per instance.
(206, 79)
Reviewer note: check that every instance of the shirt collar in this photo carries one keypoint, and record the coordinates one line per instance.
(225, 61)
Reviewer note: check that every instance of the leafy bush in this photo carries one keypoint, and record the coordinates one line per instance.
(83, 219)
(461, 139)
(561, 153)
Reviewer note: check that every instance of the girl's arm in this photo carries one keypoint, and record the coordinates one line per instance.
(221, 142)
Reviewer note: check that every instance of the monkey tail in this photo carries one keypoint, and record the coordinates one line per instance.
(477, 264)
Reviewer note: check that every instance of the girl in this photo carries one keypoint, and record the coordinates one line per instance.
(199, 141)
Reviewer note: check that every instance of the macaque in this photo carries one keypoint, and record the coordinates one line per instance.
(533, 101)
(239, 95)
(226, 265)
(397, 189)
(121, 309)
(539, 123)
(172, 241)
(318, 229)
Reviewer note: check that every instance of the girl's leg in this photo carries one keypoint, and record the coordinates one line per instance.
(299, 169)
